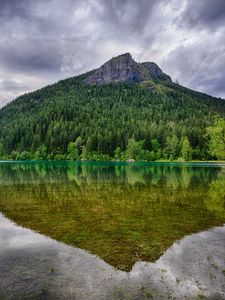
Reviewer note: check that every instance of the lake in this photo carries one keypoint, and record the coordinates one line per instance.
(123, 213)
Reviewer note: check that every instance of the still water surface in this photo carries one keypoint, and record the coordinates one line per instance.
(123, 213)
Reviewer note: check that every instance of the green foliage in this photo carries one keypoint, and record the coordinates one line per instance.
(74, 149)
(134, 149)
(59, 157)
(150, 156)
(173, 147)
(41, 153)
(186, 150)
(84, 154)
(74, 121)
(171, 158)
(155, 145)
(1, 151)
(25, 155)
(14, 155)
(216, 132)
(118, 154)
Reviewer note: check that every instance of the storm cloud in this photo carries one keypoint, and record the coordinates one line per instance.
(44, 41)
(206, 14)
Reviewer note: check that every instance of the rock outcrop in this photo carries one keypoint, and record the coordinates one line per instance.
(124, 69)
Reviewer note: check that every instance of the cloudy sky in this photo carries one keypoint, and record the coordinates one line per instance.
(42, 41)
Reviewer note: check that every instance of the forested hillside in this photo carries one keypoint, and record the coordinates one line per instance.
(74, 120)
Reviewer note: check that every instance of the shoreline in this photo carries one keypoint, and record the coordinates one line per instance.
(114, 162)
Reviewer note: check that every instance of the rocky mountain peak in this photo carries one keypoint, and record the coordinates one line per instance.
(119, 68)
(124, 68)
(122, 57)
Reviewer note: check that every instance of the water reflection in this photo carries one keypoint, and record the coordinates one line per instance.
(174, 174)
(215, 202)
(121, 213)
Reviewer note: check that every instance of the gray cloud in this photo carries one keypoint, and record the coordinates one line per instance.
(14, 8)
(200, 66)
(46, 40)
(30, 56)
(206, 14)
(128, 15)
(12, 86)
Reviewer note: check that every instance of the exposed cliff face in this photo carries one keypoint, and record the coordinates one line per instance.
(124, 68)
(152, 68)
(120, 68)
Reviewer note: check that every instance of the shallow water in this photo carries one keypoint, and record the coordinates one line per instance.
(122, 213)
(33, 266)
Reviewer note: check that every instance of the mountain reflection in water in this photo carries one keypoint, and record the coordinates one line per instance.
(122, 213)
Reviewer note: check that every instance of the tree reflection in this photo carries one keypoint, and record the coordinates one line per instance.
(121, 213)
(215, 202)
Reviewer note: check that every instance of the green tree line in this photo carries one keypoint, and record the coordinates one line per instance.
(71, 120)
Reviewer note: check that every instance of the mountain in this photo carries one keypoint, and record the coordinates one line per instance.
(123, 110)
(124, 69)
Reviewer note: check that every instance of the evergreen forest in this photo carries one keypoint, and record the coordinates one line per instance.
(71, 120)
